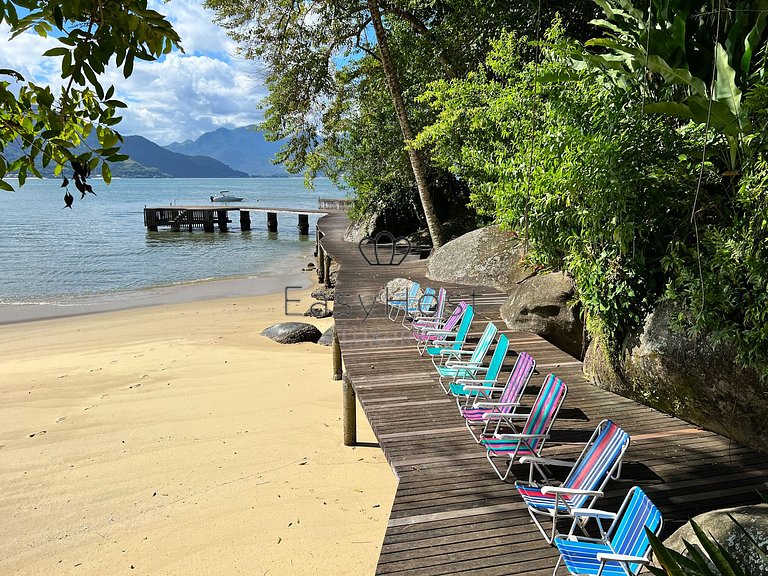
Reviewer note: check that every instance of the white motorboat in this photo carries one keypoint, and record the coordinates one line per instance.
(225, 196)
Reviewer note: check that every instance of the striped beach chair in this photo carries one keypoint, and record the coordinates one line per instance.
(530, 440)
(402, 298)
(490, 399)
(484, 377)
(599, 462)
(451, 367)
(429, 330)
(429, 307)
(450, 339)
(621, 551)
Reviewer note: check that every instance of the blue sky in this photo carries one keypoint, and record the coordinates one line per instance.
(180, 97)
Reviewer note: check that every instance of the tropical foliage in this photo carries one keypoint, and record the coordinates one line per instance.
(48, 125)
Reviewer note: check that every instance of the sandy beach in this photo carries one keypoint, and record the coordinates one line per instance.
(175, 439)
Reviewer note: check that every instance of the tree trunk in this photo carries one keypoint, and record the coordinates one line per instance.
(396, 92)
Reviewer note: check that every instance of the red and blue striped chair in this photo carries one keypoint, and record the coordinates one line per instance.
(507, 397)
(530, 440)
(599, 461)
(621, 551)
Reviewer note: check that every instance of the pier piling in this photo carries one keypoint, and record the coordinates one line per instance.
(271, 221)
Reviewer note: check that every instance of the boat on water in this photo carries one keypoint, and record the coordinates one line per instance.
(225, 196)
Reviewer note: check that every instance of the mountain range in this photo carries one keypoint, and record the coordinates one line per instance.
(223, 153)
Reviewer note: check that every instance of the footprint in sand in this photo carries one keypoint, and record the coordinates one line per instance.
(61, 419)
(37, 433)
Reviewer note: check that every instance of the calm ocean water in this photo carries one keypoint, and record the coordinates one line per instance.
(101, 247)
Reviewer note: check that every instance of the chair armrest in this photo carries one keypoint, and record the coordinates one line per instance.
(603, 557)
(505, 416)
(569, 491)
(520, 437)
(593, 513)
(463, 364)
(477, 388)
(456, 352)
(547, 461)
(492, 404)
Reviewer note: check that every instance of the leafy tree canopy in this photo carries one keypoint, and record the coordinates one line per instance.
(50, 124)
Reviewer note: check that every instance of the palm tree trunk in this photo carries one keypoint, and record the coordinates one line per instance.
(396, 92)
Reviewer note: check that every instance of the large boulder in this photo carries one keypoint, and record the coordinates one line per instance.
(718, 525)
(327, 338)
(542, 305)
(692, 378)
(292, 332)
(395, 288)
(488, 256)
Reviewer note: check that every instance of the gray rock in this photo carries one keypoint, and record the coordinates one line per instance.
(692, 378)
(292, 332)
(359, 229)
(717, 524)
(327, 338)
(323, 294)
(319, 310)
(488, 257)
(395, 287)
(541, 305)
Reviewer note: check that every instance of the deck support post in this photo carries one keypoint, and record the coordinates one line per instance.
(337, 371)
(327, 271)
(221, 216)
(304, 224)
(208, 221)
(350, 413)
(271, 221)
(320, 263)
(245, 220)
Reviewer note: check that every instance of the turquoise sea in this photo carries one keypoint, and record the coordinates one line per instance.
(56, 256)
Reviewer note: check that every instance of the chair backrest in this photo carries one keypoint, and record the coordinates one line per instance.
(463, 329)
(423, 304)
(486, 339)
(627, 533)
(439, 304)
(497, 360)
(599, 460)
(517, 381)
(545, 410)
(455, 317)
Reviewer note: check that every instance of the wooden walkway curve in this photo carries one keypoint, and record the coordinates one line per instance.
(451, 514)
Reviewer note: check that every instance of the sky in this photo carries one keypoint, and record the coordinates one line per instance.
(177, 98)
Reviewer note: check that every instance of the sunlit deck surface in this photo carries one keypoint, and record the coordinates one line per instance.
(451, 513)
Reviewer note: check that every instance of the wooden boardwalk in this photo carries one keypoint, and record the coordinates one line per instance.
(451, 514)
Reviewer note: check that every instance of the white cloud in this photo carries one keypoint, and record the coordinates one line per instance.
(178, 97)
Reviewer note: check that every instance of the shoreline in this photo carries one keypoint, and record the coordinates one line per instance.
(198, 291)
(177, 440)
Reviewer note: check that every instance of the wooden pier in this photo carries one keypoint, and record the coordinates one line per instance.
(207, 218)
(451, 514)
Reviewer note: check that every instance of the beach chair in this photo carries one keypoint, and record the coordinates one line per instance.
(621, 551)
(449, 363)
(534, 432)
(483, 377)
(426, 331)
(421, 306)
(491, 399)
(400, 299)
(450, 339)
(599, 462)
(429, 309)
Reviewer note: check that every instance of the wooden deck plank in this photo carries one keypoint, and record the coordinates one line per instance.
(451, 514)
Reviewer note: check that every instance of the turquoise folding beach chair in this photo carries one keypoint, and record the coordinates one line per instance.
(621, 551)
(483, 377)
(599, 462)
(430, 307)
(449, 363)
(530, 439)
(492, 399)
(450, 339)
(428, 330)
(401, 299)
(420, 306)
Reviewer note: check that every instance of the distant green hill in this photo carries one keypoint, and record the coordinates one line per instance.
(240, 148)
(151, 155)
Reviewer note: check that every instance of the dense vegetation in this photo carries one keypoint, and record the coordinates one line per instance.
(626, 145)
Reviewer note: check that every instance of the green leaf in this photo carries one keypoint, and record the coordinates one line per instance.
(726, 90)
(59, 51)
(106, 173)
(5, 186)
(674, 109)
(664, 555)
(58, 17)
(715, 552)
(128, 68)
